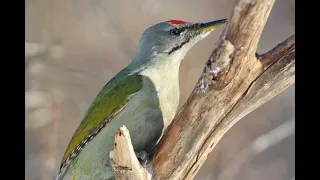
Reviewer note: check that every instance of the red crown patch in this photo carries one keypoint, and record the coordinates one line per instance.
(174, 21)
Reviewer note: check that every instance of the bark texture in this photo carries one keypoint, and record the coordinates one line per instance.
(246, 81)
(123, 159)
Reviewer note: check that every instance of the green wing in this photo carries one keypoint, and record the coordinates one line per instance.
(111, 99)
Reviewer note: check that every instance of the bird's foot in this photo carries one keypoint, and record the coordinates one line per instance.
(143, 158)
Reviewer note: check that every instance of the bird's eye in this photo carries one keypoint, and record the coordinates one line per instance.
(174, 32)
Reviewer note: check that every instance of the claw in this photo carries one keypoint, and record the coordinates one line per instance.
(143, 158)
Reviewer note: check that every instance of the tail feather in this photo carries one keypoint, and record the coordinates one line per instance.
(63, 172)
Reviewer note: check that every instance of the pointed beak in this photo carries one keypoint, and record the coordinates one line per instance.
(204, 27)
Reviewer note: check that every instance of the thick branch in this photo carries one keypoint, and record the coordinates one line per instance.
(123, 159)
(273, 81)
(206, 117)
(274, 54)
(247, 23)
(247, 84)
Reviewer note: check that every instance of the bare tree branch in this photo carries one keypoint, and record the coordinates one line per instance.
(248, 83)
(123, 159)
(271, 82)
(203, 120)
(274, 54)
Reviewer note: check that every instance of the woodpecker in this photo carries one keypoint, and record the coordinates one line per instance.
(144, 96)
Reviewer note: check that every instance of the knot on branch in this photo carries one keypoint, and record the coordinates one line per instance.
(221, 57)
(218, 61)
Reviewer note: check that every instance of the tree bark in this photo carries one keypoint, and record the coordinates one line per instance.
(247, 84)
(249, 80)
(123, 159)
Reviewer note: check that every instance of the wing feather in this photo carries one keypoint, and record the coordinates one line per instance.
(111, 100)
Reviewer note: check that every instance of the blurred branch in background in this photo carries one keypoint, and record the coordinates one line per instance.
(259, 145)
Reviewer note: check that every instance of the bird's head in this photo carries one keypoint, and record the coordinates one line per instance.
(173, 36)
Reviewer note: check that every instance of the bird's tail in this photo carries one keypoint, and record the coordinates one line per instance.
(63, 172)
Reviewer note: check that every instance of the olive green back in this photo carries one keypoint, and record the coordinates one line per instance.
(111, 98)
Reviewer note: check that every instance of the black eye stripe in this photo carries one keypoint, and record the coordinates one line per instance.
(190, 27)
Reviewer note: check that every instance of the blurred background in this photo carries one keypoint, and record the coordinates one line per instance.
(73, 47)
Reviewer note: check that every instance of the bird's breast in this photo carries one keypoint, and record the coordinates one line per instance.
(166, 84)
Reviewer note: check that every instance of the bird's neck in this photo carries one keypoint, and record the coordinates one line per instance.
(160, 66)
(162, 69)
(163, 73)
(148, 59)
